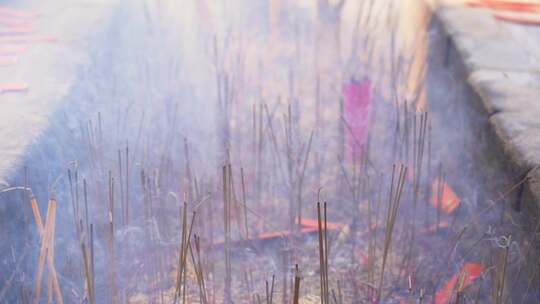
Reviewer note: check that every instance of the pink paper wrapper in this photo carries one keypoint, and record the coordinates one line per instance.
(357, 106)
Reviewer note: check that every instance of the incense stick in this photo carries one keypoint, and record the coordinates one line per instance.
(393, 207)
(296, 294)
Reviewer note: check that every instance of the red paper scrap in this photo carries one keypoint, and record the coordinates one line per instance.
(449, 199)
(470, 271)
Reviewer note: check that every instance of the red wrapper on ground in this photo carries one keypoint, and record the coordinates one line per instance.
(517, 6)
(449, 199)
(17, 13)
(469, 271)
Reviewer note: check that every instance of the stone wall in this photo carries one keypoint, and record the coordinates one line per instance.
(503, 73)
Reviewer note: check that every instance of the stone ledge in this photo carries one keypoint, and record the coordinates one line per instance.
(533, 189)
(484, 42)
(50, 70)
(505, 74)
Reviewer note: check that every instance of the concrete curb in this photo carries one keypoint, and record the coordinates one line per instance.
(505, 75)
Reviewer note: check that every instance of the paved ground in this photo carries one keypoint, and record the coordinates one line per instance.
(57, 46)
(503, 68)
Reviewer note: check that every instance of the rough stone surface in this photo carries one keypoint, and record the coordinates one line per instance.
(506, 91)
(516, 130)
(533, 182)
(48, 68)
(504, 70)
(486, 43)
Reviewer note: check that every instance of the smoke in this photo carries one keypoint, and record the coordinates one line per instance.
(173, 91)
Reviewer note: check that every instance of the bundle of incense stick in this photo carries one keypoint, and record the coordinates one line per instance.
(88, 260)
(394, 198)
(418, 142)
(46, 251)
(418, 153)
(270, 291)
(323, 253)
(199, 273)
(182, 257)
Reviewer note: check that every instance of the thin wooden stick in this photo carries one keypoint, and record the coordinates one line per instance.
(180, 256)
(37, 215)
(501, 268)
(121, 181)
(86, 206)
(74, 206)
(326, 256)
(52, 281)
(50, 257)
(127, 186)
(198, 270)
(92, 268)
(296, 295)
(270, 291)
(182, 269)
(227, 227)
(246, 226)
(88, 275)
(78, 210)
(42, 252)
(112, 260)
